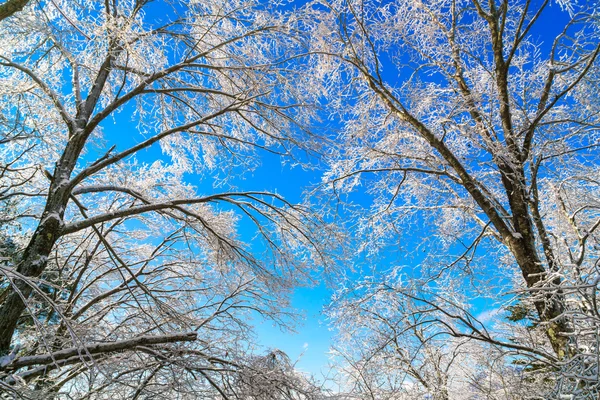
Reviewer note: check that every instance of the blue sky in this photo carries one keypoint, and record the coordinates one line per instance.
(310, 345)
(311, 341)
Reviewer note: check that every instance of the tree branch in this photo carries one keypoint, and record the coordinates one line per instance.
(100, 348)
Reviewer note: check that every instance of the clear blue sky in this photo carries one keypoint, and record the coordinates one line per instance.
(311, 343)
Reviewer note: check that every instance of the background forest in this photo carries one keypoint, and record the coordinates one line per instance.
(172, 172)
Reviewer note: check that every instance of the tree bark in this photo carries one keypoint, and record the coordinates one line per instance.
(99, 348)
(11, 7)
(35, 257)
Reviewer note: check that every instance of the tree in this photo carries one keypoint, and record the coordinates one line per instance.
(403, 338)
(476, 122)
(128, 281)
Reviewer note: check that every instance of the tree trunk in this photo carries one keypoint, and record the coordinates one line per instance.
(35, 257)
(550, 305)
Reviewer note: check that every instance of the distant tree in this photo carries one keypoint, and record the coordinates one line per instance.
(399, 341)
(131, 278)
(474, 127)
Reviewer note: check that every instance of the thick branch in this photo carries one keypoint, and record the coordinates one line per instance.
(10, 7)
(100, 348)
(77, 226)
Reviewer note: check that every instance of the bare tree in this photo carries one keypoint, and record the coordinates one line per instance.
(126, 280)
(405, 338)
(476, 123)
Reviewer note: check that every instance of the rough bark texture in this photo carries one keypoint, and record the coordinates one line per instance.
(35, 256)
(550, 307)
(10, 7)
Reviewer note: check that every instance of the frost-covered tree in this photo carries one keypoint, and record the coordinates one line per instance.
(399, 340)
(474, 127)
(129, 276)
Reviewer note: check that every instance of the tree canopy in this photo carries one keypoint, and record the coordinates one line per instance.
(128, 280)
(455, 216)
